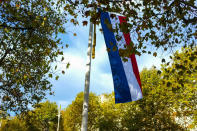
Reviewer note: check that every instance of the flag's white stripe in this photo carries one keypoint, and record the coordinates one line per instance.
(135, 89)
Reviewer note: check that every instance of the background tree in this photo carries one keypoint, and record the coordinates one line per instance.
(73, 113)
(180, 78)
(43, 117)
(28, 46)
(13, 124)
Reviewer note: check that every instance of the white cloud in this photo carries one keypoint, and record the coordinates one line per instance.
(77, 62)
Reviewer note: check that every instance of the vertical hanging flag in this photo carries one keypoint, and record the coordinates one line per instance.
(127, 85)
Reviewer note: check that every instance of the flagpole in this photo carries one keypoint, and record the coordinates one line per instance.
(58, 118)
(84, 123)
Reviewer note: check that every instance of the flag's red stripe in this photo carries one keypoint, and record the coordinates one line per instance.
(133, 59)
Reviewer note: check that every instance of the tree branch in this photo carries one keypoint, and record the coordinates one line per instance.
(5, 54)
(16, 28)
(119, 0)
(187, 21)
(188, 4)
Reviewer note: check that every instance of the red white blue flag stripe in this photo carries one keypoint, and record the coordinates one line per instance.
(127, 85)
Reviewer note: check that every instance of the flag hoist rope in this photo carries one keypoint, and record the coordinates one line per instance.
(94, 42)
(84, 123)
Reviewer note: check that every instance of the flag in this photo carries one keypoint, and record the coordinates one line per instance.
(126, 79)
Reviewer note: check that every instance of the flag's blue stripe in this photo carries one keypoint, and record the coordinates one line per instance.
(121, 87)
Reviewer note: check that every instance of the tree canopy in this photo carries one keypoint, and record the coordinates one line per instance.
(42, 118)
(73, 113)
(164, 23)
(180, 78)
(28, 46)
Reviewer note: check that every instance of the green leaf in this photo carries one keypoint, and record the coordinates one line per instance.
(158, 72)
(25, 76)
(50, 75)
(169, 84)
(62, 58)
(67, 65)
(6, 30)
(57, 77)
(46, 9)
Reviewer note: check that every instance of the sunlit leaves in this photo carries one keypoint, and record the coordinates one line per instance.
(13, 124)
(154, 54)
(46, 9)
(43, 116)
(180, 76)
(72, 114)
(17, 6)
(29, 43)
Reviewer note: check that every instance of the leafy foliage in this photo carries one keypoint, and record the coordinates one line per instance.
(164, 23)
(13, 124)
(42, 118)
(28, 46)
(111, 114)
(180, 79)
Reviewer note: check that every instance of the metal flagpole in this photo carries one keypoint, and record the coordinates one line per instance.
(84, 123)
(58, 119)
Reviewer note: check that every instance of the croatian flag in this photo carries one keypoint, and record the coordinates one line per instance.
(127, 85)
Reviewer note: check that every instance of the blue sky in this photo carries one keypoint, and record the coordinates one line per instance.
(70, 84)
